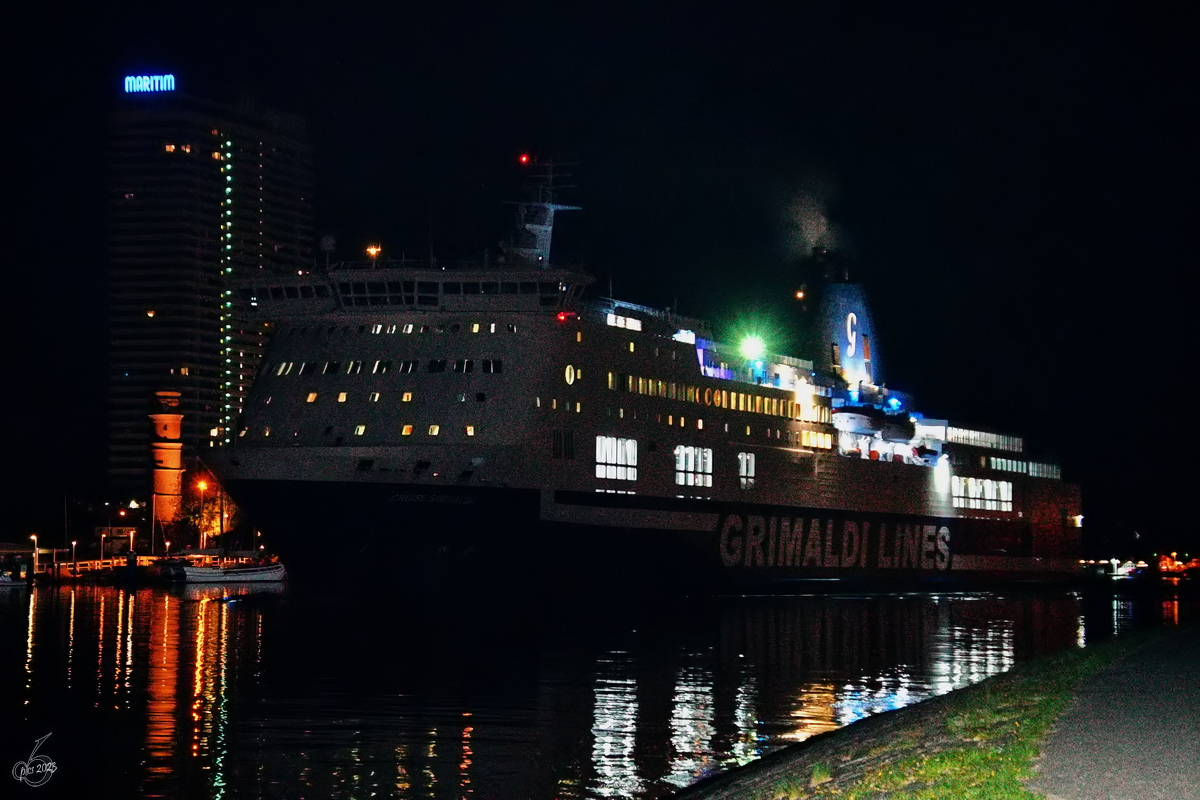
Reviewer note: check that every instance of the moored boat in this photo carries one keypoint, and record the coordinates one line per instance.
(239, 573)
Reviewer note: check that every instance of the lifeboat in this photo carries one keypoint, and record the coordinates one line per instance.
(898, 428)
(860, 420)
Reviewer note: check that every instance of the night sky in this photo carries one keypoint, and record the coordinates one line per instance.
(1016, 187)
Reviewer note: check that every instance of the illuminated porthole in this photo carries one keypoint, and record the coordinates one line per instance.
(406, 430)
(434, 430)
(569, 374)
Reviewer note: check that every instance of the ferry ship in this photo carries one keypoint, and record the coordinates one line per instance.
(496, 419)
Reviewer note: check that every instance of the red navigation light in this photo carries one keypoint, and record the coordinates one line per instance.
(562, 316)
(523, 158)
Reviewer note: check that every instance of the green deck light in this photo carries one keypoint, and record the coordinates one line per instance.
(753, 347)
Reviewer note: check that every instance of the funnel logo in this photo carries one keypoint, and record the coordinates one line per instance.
(851, 334)
(149, 83)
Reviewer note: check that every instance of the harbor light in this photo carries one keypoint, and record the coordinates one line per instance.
(753, 347)
(373, 251)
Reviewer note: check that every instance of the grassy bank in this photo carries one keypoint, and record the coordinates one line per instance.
(980, 742)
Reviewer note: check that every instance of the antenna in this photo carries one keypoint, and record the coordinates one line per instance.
(535, 218)
(328, 244)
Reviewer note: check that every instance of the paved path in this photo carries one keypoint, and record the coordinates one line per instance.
(1132, 731)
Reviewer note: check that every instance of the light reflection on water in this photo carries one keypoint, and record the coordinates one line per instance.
(199, 694)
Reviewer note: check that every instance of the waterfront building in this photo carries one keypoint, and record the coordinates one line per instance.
(202, 195)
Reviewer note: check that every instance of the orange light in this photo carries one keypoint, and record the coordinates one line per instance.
(374, 250)
(150, 313)
(201, 486)
(800, 295)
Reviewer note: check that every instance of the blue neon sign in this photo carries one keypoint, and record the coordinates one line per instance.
(149, 83)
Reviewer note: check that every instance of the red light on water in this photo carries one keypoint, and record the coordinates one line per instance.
(523, 158)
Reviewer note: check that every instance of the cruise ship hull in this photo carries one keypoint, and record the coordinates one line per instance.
(419, 535)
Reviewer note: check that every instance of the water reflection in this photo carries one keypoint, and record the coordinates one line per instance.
(215, 694)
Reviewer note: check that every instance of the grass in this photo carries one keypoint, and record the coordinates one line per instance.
(982, 746)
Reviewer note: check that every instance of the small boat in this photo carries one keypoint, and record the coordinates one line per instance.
(7, 579)
(234, 574)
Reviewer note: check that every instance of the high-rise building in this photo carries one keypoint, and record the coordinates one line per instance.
(203, 195)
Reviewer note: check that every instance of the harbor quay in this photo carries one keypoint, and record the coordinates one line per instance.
(1126, 729)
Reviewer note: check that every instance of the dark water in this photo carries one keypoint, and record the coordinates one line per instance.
(323, 691)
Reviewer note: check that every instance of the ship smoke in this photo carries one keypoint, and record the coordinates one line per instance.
(807, 224)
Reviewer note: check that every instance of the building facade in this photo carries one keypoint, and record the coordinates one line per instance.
(203, 196)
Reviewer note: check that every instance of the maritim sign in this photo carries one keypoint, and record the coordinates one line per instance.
(149, 83)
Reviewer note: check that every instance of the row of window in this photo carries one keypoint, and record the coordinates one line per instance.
(1031, 468)
(720, 398)
(361, 429)
(617, 458)
(993, 441)
(408, 327)
(373, 397)
(982, 493)
(450, 287)
(488, 366)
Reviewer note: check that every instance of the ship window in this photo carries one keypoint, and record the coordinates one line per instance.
(746, 470)
(480, 397)
(408, 328)
(267, 431)
(464, 365)
(579, 336)
(547, 287)
(291, 292)
(578, 407)
(406, 430)
(512, 328)
(470, 430)
(359, 430)
(462, 397)
(693, 466)
(353, 367)
(376, 328)
(494, 365)
(437, 365)
(452, 287)
(306, 291)
(508, 287)
(490, 287)
(700, 424)
(474, 327)
(434, 430)
(381, 367)
(341, 397)
(406, 397)
(312, 397)
(616, 459)
(373, 397)
(322, 291)
(528, 287)
(537, 402)
(631, 347)
(427, 287)
(470, 287)
(330, 367)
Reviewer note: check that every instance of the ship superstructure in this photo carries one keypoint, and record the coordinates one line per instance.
(495, 413)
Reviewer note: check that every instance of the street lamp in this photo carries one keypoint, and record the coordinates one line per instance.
(202, 485)
(131, 530)
(35, 552)
(102, 544)
(167, 542)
